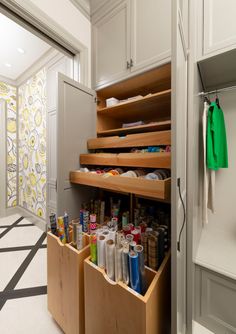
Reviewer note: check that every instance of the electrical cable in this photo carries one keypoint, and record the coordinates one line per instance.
(184, 210)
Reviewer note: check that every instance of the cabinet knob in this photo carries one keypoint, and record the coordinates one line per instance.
(127, 64)
(131, 62)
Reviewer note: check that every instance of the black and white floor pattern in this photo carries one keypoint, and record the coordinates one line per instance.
(23, 279)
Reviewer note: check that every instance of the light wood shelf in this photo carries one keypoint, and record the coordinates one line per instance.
(152, 108)
(154, 126)
(131, 140)
(146, 160)
(136, 107)
(65, 271)
(143, 187)
(129, 312)
(155, 80)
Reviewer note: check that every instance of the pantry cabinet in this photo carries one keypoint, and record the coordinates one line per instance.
(219, 30)
(131, 37)
(157, 98)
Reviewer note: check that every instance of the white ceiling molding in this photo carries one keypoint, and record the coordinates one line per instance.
(95, 5)
(35, 17)
(38, 65)
(100, 8)
(83, 6)
(30, 17)
(7, 80)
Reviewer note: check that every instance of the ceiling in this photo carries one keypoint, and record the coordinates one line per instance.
(13, 62)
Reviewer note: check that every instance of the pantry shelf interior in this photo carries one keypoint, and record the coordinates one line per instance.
(154, 126)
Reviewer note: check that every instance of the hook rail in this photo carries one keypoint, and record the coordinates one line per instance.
(226, 89)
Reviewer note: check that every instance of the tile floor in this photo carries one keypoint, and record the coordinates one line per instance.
(199, 329)
(23, 279)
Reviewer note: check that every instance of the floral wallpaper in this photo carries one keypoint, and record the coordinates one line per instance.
(32, 144)
(8, 93)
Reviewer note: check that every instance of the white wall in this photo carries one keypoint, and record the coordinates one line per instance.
(66, 15)
(225, 215)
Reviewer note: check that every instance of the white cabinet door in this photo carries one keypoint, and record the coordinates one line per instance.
(76, 122)
(219, 25)
(150, 32)
(111, 38)
(178, 170)
(63, 65)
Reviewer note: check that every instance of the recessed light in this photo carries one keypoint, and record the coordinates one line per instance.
(20, 50)
(7, 65)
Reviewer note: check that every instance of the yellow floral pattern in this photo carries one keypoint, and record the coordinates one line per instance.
(32, 144)
(8, 93)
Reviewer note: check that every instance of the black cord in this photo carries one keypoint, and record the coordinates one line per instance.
(184, 220)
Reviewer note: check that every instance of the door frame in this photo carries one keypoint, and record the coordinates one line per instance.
(30, 17)
(3, 155)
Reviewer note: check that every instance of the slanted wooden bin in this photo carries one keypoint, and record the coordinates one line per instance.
(114, 308)
(66, 284)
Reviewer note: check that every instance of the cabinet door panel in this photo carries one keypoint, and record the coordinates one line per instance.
(76, 122)
(219, 25)
(179, 114)
(112, 45)
(150, 32)
(62, 65)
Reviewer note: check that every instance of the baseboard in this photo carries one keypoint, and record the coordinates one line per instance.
(29, 216)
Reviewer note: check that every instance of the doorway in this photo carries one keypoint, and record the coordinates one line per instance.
(28, 80)
(28, 107)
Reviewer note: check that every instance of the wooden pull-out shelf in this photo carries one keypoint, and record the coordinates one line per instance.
(159, 101)
(154, 126)
(148, 188)
(148, 160)
(132, 140)
(117, 309)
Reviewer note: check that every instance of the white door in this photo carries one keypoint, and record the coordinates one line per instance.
(150, 32)
(111, 38)
(63, 65)
(3, 165)
(179, 163)
(76, 122)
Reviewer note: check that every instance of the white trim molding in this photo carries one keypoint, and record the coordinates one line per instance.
(40, 63)
(38, 22)
(83, 6)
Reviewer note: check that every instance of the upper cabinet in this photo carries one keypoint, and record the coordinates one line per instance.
(131, 36)
(219, 26)
(111, 41)
(150, 32)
